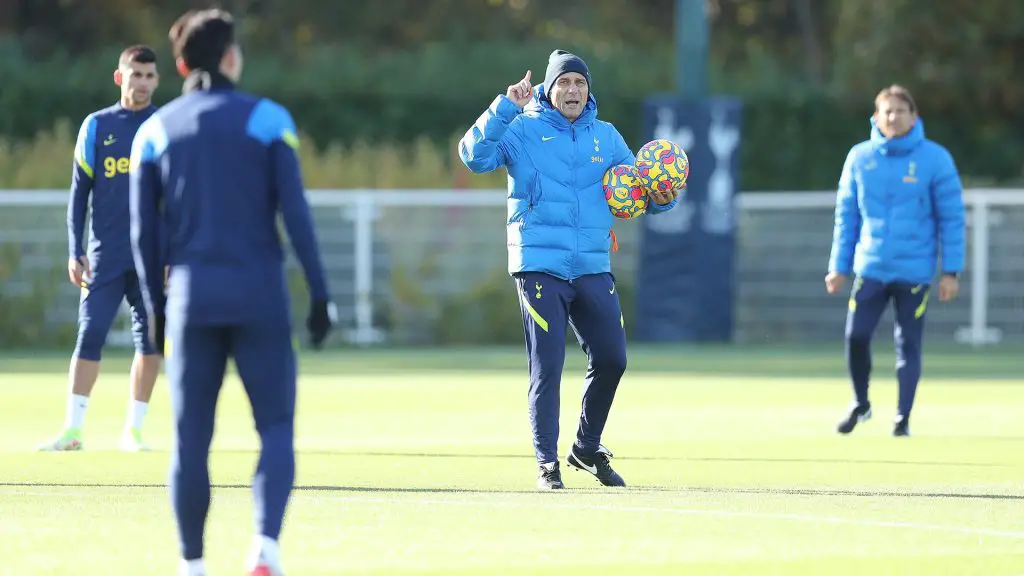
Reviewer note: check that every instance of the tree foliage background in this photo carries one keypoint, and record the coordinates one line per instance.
(380, 88)
(359, 70)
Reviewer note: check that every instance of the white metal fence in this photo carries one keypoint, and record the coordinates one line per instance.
(784, 241)
(394, 256)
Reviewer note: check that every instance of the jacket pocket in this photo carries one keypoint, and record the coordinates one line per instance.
(536, 190)
(533, 199)
(527, 218)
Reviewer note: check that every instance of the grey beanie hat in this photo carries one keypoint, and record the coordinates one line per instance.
(561, 62)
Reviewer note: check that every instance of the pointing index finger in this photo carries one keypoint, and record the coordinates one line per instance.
(527, 77)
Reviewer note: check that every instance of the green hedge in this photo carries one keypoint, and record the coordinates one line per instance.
(787, 145)
(342, 97)
(26, 297)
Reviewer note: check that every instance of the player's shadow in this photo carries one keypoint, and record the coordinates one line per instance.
(724, 490)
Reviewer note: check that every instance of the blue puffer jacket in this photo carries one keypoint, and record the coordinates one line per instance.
(558, 218)
(899, 202)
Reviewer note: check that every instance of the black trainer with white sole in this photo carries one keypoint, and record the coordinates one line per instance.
(901, 425)
(549, 477)
(597, 465)
(858, 413)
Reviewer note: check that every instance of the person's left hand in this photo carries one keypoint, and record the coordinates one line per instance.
(949, 286)
(663, 198)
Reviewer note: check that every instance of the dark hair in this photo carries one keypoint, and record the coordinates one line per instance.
(139, 53)
(896, 91)
(202, 37)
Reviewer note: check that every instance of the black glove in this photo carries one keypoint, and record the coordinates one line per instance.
(322, 317)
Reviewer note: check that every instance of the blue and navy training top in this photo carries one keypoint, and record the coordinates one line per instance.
(100, 172)
(212, 170)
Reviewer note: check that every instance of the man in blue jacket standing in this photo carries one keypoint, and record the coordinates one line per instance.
(899, 207)
(556, 151)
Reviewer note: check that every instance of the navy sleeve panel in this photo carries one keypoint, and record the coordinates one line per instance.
(81, 186)
(272, 125)
(145, 199)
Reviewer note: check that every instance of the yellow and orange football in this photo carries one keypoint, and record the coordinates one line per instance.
(662, 165)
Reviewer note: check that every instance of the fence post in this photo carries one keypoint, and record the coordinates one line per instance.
(365, 214)
(978, 333)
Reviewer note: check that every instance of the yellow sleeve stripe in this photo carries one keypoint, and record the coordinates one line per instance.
(84, 165)
(289, 138)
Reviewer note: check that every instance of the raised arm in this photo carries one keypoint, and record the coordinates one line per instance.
(489, 143)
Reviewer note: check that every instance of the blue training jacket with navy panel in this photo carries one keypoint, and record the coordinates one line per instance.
(215, 167)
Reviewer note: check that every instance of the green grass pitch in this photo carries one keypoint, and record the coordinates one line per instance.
(420, 462)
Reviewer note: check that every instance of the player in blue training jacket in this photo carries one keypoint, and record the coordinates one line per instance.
(899, 207)
(105, 273)
(559, 236)
(213, 168)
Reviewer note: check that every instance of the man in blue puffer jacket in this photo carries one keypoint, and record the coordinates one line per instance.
(559, 235)
(899, 206)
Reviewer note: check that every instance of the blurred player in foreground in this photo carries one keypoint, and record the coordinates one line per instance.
(213, 168)
(106, 274)
(559, 236)
(899, 206)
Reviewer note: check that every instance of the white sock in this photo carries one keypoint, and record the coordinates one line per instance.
(192, 568)
(74, 414)
(137, 413)
(266, 551)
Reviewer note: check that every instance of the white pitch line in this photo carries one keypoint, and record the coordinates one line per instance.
(807, 518)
